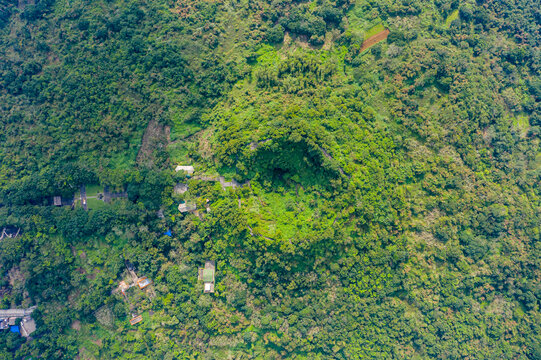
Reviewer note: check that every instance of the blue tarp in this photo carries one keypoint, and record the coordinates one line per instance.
(14, 329)
(168, 233)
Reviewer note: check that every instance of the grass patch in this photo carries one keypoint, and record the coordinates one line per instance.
(452, 16)
(374, 30)
(93, 190)
(94, 204)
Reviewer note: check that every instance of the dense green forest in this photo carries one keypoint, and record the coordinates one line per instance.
(387, 156)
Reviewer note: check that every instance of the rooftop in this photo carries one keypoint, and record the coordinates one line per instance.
(136, 319)
(181, 188)
(143, 282)
(28, 326)
(185, 207)
(186, 168)
(207, 275)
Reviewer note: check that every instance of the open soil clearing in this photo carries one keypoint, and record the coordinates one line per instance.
(373, 40)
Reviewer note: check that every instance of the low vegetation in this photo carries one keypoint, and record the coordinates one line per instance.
(386, 202)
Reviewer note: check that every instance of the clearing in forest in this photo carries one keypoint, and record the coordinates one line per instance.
(156, 136)
(374, 39)
(374, 30)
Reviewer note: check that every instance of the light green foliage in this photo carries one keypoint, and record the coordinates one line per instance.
(451, 17)
(386, 202)
(374, 30)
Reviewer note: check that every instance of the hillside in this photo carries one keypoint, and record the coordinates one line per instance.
(365, 179)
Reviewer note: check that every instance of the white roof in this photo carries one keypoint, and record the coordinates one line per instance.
(207, 286)
(188, 169)
(28, 326)
(181, 188)
(184, 207)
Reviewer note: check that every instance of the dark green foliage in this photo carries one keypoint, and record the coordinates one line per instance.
(390, 201)
(276, 34)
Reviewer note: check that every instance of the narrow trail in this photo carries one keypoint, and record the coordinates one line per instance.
(83, 197)
(328, 156)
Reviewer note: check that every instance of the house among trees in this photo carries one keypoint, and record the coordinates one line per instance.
(143, 282)
(109, 195)
(136, 319)
(187, 169)
(63, 201)
(181, 188)
(28, 326)
(8, 319)
(207, 275)
(185, 207)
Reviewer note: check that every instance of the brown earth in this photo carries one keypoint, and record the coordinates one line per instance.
(76, 325)
(373, 40)
(156, 136)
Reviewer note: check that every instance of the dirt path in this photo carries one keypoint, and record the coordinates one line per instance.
(373, 40)
(83, 197)
(328, 156)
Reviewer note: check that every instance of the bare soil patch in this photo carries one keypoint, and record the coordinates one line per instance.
(156, 137)
(373, 40)
(76, 325)
(15, 276)
(205, 147)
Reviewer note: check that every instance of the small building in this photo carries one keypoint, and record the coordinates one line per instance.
(57, 201)
(186, 207)
(207, 275)
(143, 282)
(112, 194)
(188, 169)
(136, 319)
(181, 188)
(28, 326)
(4, 324)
